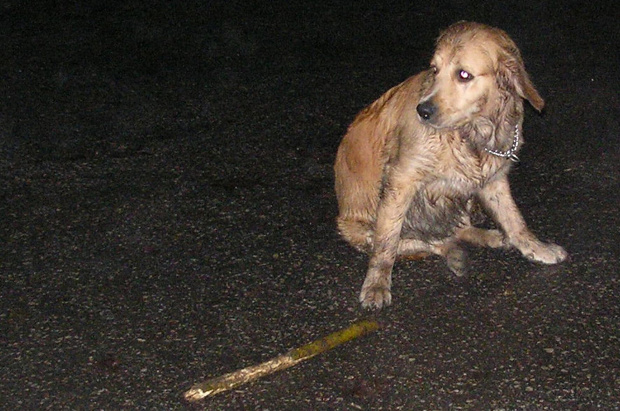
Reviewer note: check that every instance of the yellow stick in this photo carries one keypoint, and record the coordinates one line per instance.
(239, 377)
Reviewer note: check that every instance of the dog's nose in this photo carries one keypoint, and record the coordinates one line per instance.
(426, 110)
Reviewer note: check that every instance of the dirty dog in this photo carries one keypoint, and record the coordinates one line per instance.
(414, 163)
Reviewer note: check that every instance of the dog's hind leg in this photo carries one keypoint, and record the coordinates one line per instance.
(358, 233)
(412, 248)
(481, 237)
(456, 257)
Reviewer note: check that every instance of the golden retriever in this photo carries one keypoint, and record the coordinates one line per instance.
(414, 163)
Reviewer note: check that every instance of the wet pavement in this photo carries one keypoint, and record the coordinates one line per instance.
(168, 211)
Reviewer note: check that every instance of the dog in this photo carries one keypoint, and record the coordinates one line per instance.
(414, 165)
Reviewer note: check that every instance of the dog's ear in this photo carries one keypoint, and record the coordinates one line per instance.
(512, 75)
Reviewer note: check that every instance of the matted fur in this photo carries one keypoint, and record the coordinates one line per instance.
(414, 163)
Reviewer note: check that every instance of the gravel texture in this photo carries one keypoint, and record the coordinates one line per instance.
(168, 212)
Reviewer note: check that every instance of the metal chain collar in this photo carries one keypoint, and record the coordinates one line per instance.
(510, 153)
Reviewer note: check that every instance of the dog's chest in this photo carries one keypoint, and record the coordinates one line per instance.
(442, 201)
(461, 170)
(462, 176)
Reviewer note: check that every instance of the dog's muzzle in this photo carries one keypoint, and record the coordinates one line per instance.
(426, 110)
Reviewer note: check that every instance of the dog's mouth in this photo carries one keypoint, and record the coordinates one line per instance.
(433, 125)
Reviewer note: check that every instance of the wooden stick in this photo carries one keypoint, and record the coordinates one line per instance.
(239, 377)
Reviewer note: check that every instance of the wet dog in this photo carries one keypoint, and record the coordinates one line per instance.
(414, 163)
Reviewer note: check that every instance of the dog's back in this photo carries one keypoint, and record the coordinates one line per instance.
(362, 157)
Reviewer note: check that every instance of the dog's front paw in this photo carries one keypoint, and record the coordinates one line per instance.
(376, 288)
(375, 296)
(546, 253)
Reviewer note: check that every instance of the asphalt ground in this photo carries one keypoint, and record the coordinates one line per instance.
(168, 212)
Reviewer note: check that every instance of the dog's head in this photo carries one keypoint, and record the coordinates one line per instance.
(474, 70)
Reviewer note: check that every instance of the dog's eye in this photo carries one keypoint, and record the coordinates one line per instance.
(433, 69)
(465, 76)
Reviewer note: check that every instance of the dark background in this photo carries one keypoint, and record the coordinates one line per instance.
(167, 210)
